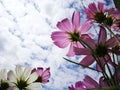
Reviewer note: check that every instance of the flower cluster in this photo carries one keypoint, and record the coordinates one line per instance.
(101, 48)
(24, 78)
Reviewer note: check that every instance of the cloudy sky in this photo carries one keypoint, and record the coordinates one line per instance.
(25, 31)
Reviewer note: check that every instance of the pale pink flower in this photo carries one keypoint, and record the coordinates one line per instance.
(70, 33)
(100, 49)
(43, 75)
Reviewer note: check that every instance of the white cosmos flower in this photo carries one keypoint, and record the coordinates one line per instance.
(4, 83)
(23, 79)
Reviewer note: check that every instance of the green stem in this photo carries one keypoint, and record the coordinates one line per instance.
(81, 64)
(101, 66)
(110, 72)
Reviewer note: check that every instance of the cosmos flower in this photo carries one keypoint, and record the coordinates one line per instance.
(115, 21)
(4, 83)
(43, 75)
(22, 79)
(96, 13)
(69, 34)
(88, 83)
(91, 83)
(100, 49)
(116, 24)
(78, 86)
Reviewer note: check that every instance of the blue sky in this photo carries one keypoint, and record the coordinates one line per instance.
(25, 31)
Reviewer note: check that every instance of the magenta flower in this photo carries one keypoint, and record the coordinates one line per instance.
(115, 15)
(92, 84)
(100, 49)
(96, 13)
(88, 83)
(116, 24)
(70, 33)
(78, 86)
(43, 75)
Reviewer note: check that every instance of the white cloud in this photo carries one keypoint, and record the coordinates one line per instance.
(25, 29)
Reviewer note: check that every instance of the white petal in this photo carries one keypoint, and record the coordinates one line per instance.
(11, 76)
(12, 84)
(15, 88)
(19, 71)
(33, 77)
(27, 72)
(3, 76)
(35, 86)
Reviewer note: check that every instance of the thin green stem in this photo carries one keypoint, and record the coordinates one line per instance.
(80, 64)
(113, 82)
(102, 68)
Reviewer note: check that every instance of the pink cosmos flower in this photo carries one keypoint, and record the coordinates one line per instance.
(115, 15)
(116, 24)
(69, 34)
(100, 49)
(78, 86)
(96, 13)
(88, 83)
(43, 75)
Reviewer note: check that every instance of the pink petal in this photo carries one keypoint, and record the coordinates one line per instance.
(85, 26)
(111, 42)
(62, 44)
(78, 44)
(79, 85)
(65, 25)
(100, 6)
(88, 40)
(82, 51)
(76, 19)
(88, 60)
(90, 83)
(108, 58)
(61, 39)
(39, 71)
(58, 36)
(102, 61)
(102, 82)
(98, 67)
(46, 73)
(45, 81)
(93, 7)
(59, 33)
(91, 35)
(89, 14)
(71, 50)
(102, 35)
